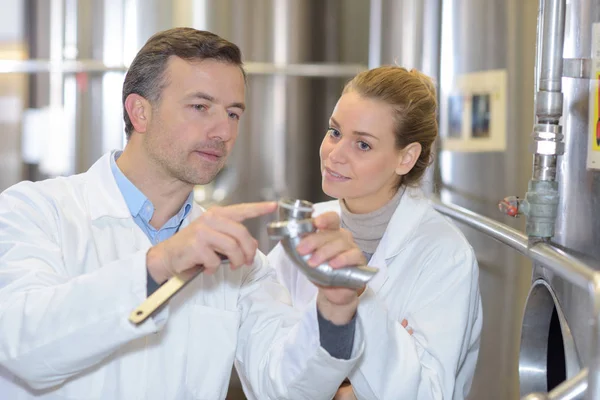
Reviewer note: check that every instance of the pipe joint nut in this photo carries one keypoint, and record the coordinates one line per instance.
(548, 148)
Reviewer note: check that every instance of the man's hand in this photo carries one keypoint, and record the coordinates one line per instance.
(218, 231)
(333, 245)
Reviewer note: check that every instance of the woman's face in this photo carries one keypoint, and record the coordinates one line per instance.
(359, 159)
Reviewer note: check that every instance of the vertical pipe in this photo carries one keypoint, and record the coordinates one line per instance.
(375, 18)
(56, 56)
(280, 57)
(552, 47)
(541, 200)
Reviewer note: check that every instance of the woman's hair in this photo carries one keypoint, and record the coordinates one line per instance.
(412, 95)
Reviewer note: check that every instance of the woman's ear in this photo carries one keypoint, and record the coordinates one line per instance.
(408, 158)
(139, 111)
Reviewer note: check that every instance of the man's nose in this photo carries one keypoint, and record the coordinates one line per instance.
(221, 127)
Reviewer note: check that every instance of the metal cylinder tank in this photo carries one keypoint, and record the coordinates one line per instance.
(13, 92)
(487, 61)
(552, 341)
(577, 226)
(271, 157)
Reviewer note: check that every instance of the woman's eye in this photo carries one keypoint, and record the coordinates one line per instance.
(333, 133)
(363, 146)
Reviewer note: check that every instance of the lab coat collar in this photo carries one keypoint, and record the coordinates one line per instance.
(404, 222)
(402, 225)
(103, 195)
(400, 229)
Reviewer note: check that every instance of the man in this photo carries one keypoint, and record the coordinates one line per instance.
(78, 254)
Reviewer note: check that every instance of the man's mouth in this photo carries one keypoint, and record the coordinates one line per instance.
(210, 155)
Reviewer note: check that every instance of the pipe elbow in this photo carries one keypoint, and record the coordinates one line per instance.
(295, 223)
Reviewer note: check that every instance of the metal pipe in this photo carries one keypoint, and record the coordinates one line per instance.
(541, 200)
(549, 96)
(552, 46)
(56, 53)
(544, 167)
(572, 389)
(252, 68)
(568, 267)
(562, 264)
(294, 223)
(375, 36)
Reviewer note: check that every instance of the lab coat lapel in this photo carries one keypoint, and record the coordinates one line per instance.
(115, 232)
(102, 193)
(405, 219)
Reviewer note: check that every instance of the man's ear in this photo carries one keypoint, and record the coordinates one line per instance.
(408, 158)
(139, 110)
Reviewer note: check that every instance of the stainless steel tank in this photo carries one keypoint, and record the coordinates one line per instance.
(554, 340)
(556, 327)
(271, 158)
(290, 96)
(479, 36)
(13, 93)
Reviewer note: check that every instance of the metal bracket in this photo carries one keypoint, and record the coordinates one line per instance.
(578, 68)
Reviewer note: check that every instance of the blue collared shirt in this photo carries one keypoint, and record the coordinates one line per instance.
(142, 211)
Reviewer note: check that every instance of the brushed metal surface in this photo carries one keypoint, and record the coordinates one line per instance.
(481, 35)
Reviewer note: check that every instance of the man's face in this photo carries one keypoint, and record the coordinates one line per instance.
(194, 125)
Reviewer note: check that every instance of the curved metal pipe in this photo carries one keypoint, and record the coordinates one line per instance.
(295, 222)
(568, 390)
(568, 267)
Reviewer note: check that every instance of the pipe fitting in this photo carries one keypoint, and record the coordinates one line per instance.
(548, 132)
(549, 106)
(542, 206)
(296, 222)
(544, 167)
(547, 140)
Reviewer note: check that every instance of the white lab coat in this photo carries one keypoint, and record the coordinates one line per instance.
(428, 275)
(72, 268)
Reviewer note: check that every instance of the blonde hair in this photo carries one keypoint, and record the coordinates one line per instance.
(412, 95)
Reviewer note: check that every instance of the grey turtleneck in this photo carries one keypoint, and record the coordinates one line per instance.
(368, 229)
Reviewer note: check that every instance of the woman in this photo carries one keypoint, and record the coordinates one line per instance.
(373, 157)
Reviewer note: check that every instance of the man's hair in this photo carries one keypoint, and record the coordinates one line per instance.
(146, 75)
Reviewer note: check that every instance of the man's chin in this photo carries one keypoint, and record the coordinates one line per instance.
(205, 177)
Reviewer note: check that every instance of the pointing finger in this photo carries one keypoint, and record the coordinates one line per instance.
(241, 212)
